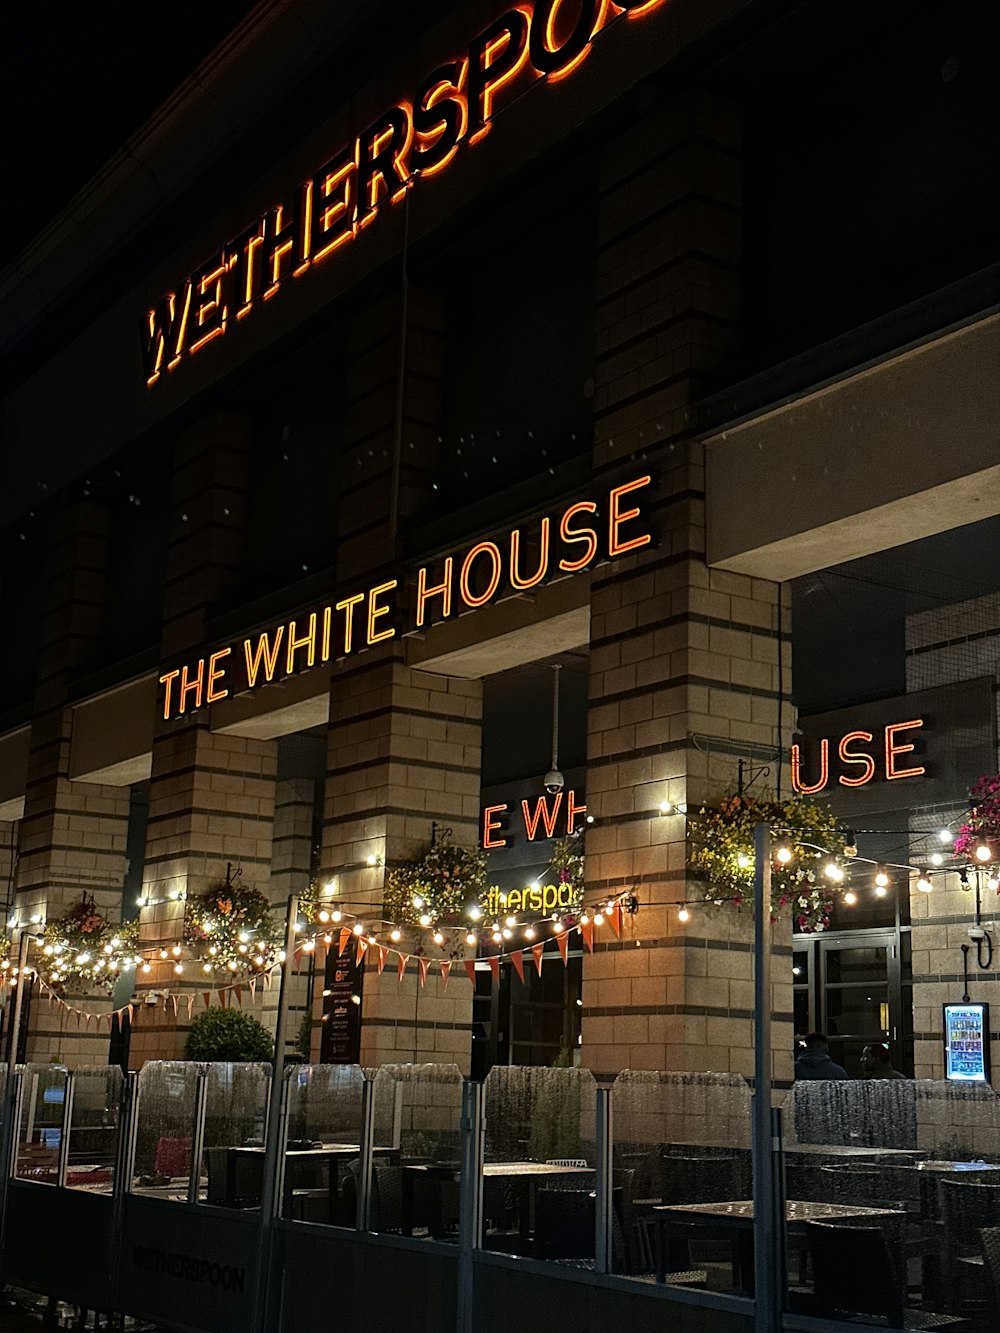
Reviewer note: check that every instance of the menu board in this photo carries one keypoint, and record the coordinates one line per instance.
(967, 1042)
(341, 1039)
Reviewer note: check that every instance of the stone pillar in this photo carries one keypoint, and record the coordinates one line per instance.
(291, 870)
(211, 797)
(72, 834)
(687, 663)
(404, 751)
(9, 834)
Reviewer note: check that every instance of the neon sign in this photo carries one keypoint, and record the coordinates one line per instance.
(416, 138)
(858, 765)
(539, 822)
(487, 571)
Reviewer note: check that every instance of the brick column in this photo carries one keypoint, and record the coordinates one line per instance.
(684, 659)
(291, 869)
(211, 797)
(9, 833)
(404, 750)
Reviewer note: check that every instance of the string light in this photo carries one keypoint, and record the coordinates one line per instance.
(783, 854)
(881, 878)
(474, 912)
(683, 915)
(470, 939)
(924, 884)
(438, 937)
(946, 835)
(425, 919)
(983, 852)
(395, 935)
(833, 872)
(557, 927)
(850, 898)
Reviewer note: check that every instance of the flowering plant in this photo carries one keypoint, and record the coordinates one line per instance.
(84, 945)
(983, 823)
(441, 884)
(233, 927)
(721, 854)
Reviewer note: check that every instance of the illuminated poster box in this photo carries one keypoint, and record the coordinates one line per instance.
(967, 1042)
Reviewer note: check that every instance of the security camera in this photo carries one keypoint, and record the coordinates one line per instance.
(976, 933)
(554, 781)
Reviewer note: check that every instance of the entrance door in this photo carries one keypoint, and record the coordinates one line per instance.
(860, 997)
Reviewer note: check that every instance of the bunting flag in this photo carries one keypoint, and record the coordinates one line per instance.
(517, 963)
(494, 963)
(361, 949)
(345, 935)
(190, 1005)
(383, 954)
(173, 1000)
(401, 966)
(222, 999)
(297, 957)
(445, 973)
(537, 952)
(207, 997)
(587, 932)
(78, 1016)
(238, 992)
(615, 919)
(470, 969)
(267, 981)
(562, 939)
(253, 988)
(423, 964)
(131, 1009)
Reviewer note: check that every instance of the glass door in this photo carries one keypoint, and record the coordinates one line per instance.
(860, 999)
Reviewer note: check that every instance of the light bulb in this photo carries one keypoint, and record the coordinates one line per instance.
(418, 902)
(327, 939)
(882, 878)
(880, 890)
(833, 872)
(924, 884)
(438, 937)
(850, 897)
(937, 859)
(213, 949)
(983, 852)
(395, 935)
(232, 965)
(783, 854)
(147, 967)
(178, 968)
(425, 919)
(259, 961)
(244, 938)
(946, 835)
(511, 921)
(373, 860)
(584, 919)
(470, 938)
(506, 932)
(176, 951)
(206, 967)
(683, 915)
(497, 937)
(309, 946)
(666, 807)
(557, 927)
(743, 861)
(336, 914)
(324, 916)
(359, 928)
(529, 932)
(474, 912)
(598, 918)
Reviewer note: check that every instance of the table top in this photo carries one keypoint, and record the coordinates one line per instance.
(849, 1150)
(957, 1167)
(501, 1170)
(739, 1212)
(327, 1150)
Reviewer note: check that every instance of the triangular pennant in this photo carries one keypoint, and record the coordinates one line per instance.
(537, 951)
(252, 983)
(222, 998)
(267, 981)
(297, 957)
(517, 963)
(130, 1010)
(360, 952)
(345, 935)
(173, 1000)
(383, 954)
(445, 973)
(423, 964)
(562, 939)
(494, 963)
(238, 992)
(206, 995)
(78, 1016)
(615, 919)
(470, 969)
(587, 933)
(190, 1005)
(401, 966)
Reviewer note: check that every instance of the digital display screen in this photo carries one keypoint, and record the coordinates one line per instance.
(967, 1043)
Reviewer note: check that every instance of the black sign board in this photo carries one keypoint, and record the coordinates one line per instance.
(341, 1040)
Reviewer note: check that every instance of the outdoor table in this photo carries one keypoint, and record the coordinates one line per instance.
(851, 1150)
(332, 1154)
(526, 1175)
(734, 1221)
(934, 1171)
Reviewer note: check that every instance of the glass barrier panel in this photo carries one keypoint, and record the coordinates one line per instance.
(232, 1169)
(95, 1127)
(418, 1150)
(681, 1178)
(538, 1174)
(167, 1100)
(323, 1144)
(914, 1164)
(40, 1131)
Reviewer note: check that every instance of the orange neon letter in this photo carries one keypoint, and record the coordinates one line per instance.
(852, 757)
(307, 641)
(376, 612)
(166, 681)
(468, 596)
(572, 810)
(491, 825)
(618, 516)
(191, 685)
(442, 590)
(266, 652)
(824, 770)
(495, 57)
(216, 673)
(542, 812)
(892, 749)
(543, 558)
(347, 606)
(586, 535)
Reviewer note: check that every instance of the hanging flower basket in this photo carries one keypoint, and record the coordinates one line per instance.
(721, 854)
(84, 946)
(982, 826)
(233, 927)
(439, 885)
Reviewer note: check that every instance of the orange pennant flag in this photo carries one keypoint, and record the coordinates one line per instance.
(207, 997)
(470, 969)
(537, 951)
(423, 964)
(517, 963)
(401, 966)
(494, 963)
(445, 973)
(562, 939)
(238, 992)
(383, 954)
(252, 983)
(615, 918)
(173, 998)
(222, 998)
(587, 932)
(131, 1010)
(360, 951)
(345, 935)
(190, 1005)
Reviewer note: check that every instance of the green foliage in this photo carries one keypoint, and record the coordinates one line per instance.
(442, 883)
(303, 1040)
(84, 945)
(228, 1034)
(721, 854)
(233, 924)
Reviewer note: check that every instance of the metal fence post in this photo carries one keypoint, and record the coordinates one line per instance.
(470, 1219)
(13, 1102)
(198, 1137)
(767, 1231)
(603, 1252)
(67, 1128)
(362, 1219)
(124, 1171)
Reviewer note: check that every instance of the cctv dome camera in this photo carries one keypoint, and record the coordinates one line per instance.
(554, 781)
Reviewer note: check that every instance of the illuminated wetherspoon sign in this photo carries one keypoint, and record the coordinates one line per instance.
(580, 535)
(454, 105)
(856, 761)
